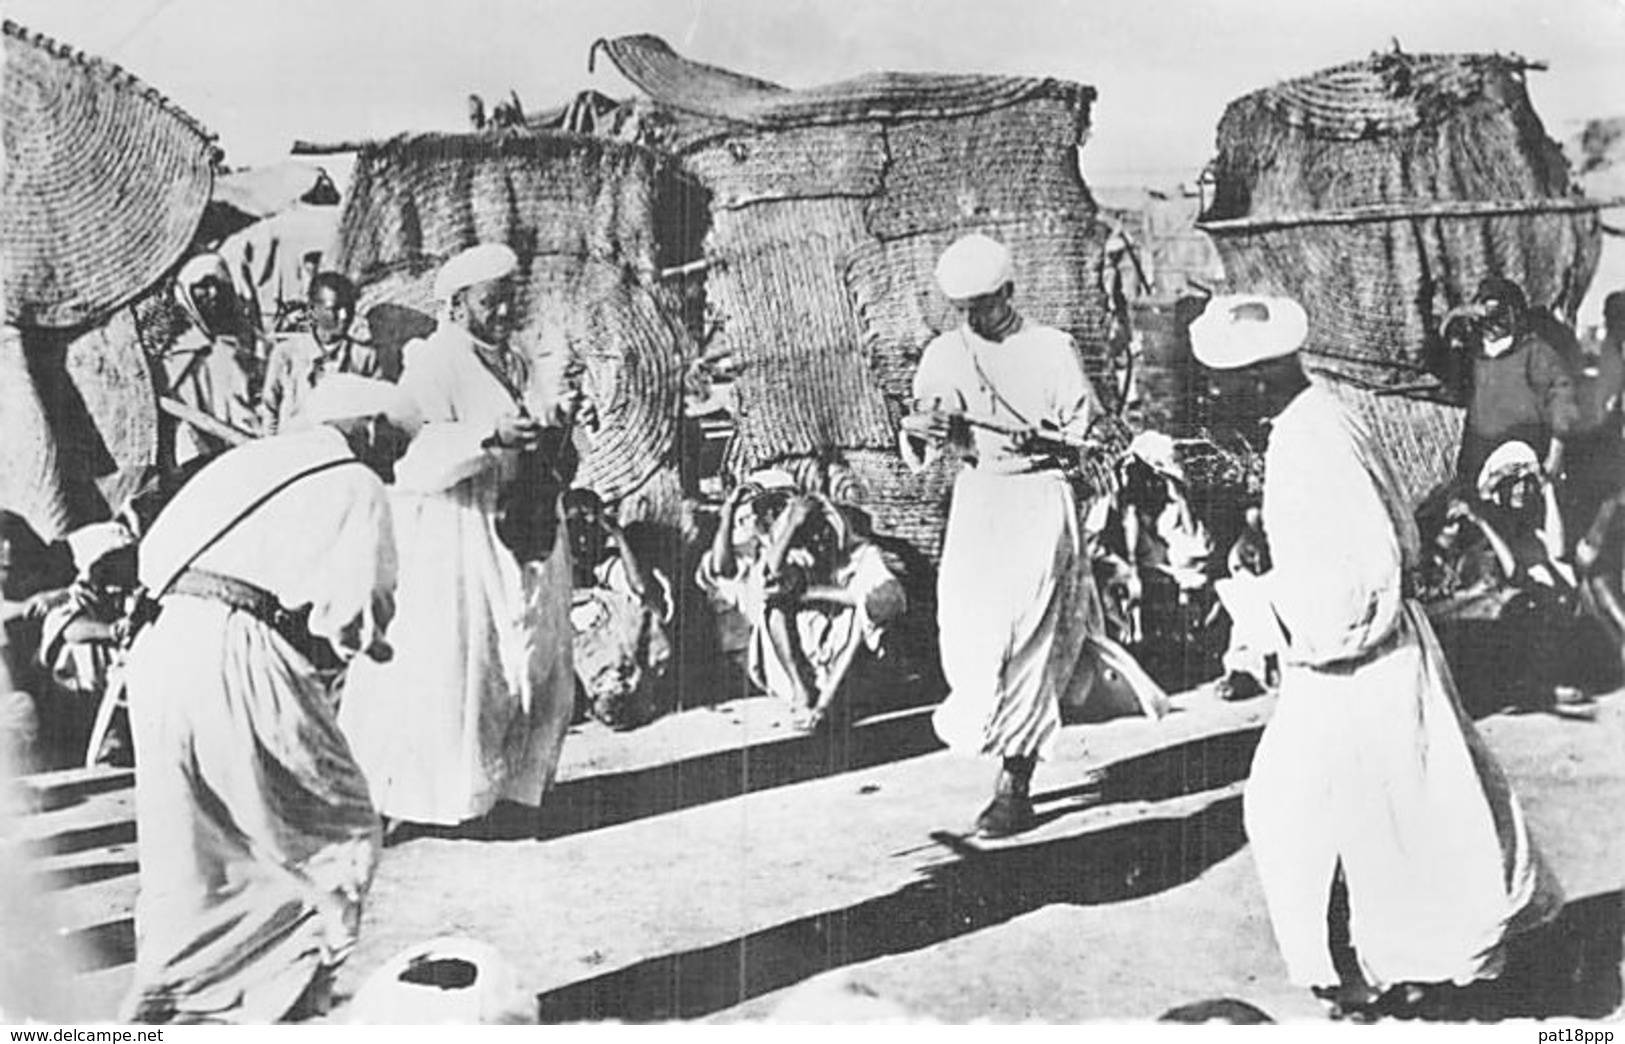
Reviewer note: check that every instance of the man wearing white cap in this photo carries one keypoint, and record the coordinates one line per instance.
(1370, 780)
(1016, 599)
(474, 706)
(258, 835)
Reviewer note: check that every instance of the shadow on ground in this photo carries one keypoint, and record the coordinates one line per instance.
(973, 891)
(611, 798)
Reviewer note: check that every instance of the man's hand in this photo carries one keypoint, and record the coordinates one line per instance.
(39, 606)
(517, 431)
(1585, 556)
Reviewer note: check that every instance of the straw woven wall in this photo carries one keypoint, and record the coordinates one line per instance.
(590, 220)
(1378, 194)
(830, 208)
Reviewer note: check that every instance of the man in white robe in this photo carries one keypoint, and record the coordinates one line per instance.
(1369, 770)
(258, 839)
(474, 707)
(1018, 615)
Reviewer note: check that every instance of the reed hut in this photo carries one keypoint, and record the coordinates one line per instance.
(594, 223)
(1378, 193)
(829, 207)
(105, 184)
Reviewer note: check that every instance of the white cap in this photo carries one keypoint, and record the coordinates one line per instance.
(974, 265)
(1509, 459)
(772, 478)
(1229, 335)
(342, 396)
(90, 544)
(1158, 451)
(477, 264)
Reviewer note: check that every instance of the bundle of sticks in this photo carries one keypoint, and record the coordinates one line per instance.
(1097, 452)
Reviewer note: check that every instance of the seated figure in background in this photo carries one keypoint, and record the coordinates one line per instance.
(33, 581)
(730, 569)
(1517, 514)
(827, 600)
(815, 593)
(81, 639)
(619, 612)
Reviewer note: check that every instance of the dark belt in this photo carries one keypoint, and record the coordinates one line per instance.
(262, 605)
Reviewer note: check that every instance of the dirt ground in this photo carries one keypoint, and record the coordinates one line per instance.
(813, 890)
(717, 866)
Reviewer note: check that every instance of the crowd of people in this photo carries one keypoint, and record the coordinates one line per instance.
(389, 607)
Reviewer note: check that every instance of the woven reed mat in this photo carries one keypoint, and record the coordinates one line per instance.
(706, 90)
(1421, 438)
(621, 330)
(105, 183)
(901, 504)
(805, 383)
(995, 166)
(30, 475)
(798, 163)
(1389, 93)
(427, 195)
(1337, 189)
(1059, 263)
(1376, 293)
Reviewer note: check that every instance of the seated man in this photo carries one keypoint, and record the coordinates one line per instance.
(33, 581)
(81, 638)
(728, 571)
(1517, 514)
(817, 597)
(619, 612)
(218, 366)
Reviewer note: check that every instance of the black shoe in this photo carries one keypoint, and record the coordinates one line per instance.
(1006, 816)
(1238, 685)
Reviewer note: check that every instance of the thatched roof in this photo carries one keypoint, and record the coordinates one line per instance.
(105, 183)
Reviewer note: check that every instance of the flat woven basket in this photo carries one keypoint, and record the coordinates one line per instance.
(105, 183)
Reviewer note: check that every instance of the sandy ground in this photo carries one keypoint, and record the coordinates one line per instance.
(717, 866)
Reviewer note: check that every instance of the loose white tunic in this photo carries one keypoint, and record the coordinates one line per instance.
(258, 838)
(1016, 602)
(474, 706)
(1369, 760)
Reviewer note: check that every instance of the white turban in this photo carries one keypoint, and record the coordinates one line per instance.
(1226, 337)
(974, 265)
(344, 396)
(90, 544)
(1510, 459)
(477, 264)
(772, 478)
(1158, 451)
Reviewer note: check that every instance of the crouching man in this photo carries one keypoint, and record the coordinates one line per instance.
(258, 835)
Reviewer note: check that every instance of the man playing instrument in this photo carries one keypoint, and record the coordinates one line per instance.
(1018, 612)
(474, 707)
